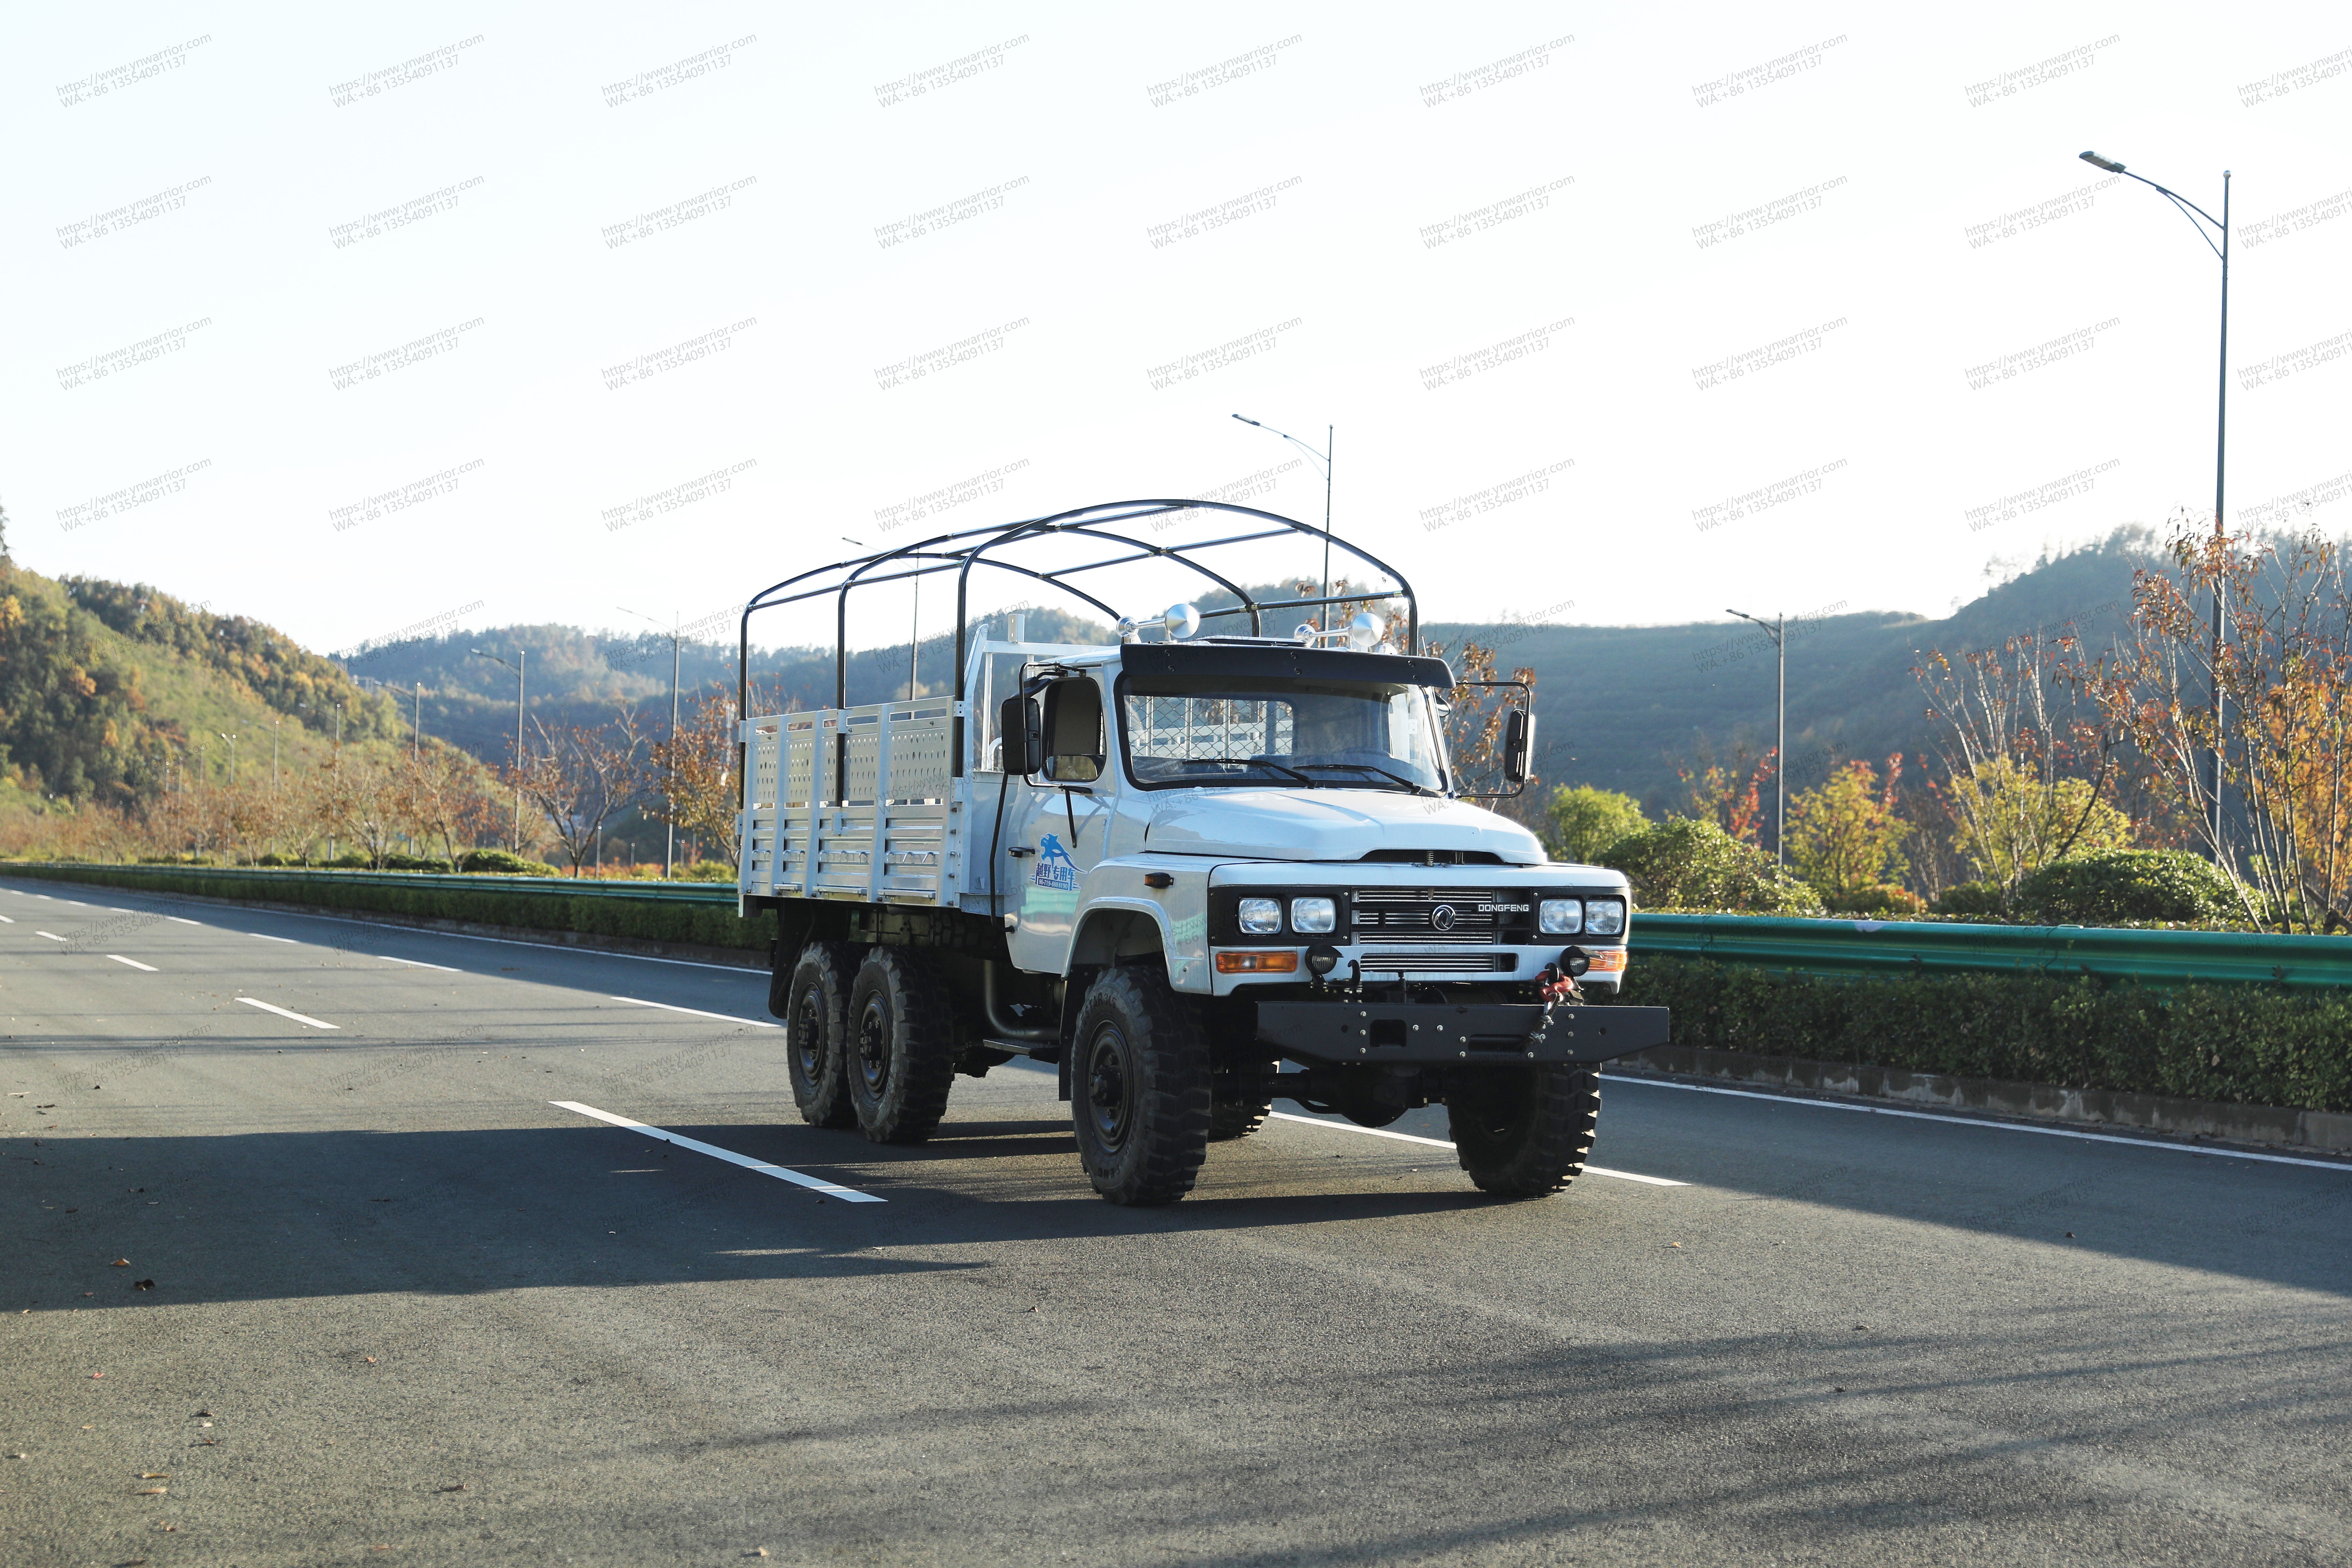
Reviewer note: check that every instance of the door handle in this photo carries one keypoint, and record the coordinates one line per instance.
(1018, 850)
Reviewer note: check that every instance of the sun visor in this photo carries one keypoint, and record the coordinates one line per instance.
(1245, 661)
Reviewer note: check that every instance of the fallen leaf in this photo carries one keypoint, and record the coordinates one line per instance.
(154, 1476)
(120, 1263)
(1674, 1244)
(95, 1373)
(20, 1455)
(458, 1488)
(370, 1360)
(142, 1285)
(202, 1414)
(757, 1551)
(2070, 1236)
(150, 1491)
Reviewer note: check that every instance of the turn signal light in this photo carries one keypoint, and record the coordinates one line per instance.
(1284, 962)
(1608, 960)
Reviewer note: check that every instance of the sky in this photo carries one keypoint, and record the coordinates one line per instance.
(363, 321)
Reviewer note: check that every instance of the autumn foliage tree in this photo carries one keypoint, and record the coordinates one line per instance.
(1846, 836)
(694, 777)
(581, 777)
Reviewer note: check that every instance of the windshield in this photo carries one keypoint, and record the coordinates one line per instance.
(1300, 733)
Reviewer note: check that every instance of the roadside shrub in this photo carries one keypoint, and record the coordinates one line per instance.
(1586, 821)
(1683, 864)
(413, 863)
(2254, 1045)
(2127, 885)
(349, 860)
(1886, 898)
(505, 864)
(706, 871)
(1972, 900)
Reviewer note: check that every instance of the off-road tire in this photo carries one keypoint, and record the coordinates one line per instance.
(1139, 1088)
(1254, 1102)
(900, 1042)
(816, 1000)
(1523, 1132)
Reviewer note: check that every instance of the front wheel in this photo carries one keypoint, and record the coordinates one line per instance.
(1140, 1088)
(1523, 1132)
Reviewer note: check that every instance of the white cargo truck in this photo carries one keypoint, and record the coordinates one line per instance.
(1197, 872)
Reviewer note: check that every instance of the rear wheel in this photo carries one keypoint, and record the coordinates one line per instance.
(816, 996)
(1523, 1132)
(1139, 1088)
(902, 1044)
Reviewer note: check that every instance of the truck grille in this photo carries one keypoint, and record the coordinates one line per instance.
(1416, 917)
(1437, 961)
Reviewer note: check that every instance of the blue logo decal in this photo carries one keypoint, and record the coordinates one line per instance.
(1055, 868)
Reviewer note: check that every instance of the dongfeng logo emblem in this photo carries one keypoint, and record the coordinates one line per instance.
(1442, 917)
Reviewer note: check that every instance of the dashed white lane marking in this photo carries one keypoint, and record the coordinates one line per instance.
(1442, 1144)
(133, 963)
(2218, 1153)
(286, 1012)
(765, 1168)
(183, 920)
(723, 1018)
(50, 934)
(419, 964)
(288, 940)
(5, 920)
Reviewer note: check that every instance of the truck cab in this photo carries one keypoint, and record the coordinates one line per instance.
(1195, 873)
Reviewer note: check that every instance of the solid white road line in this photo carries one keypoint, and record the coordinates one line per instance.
(815, 1183)
(1442, 1144)
(2219, 1153)
(50, 934)
(133, 963)
(288, 940)
(283, 1013)
(723, 1018)
(185, 922)
(419, 964)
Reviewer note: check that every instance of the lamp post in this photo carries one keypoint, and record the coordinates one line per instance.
(2192, 212)
(1323, 618)
(232, 759)
(1778, 632)
(669, 843)
(522, 658)
(273, 753)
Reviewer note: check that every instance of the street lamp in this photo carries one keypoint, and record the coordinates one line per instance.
(2192, 212)
(522, 657)
(669, 844)
(1324, 458)
(232, 759)
(1777, 632)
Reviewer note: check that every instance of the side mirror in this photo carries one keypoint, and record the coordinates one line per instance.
(1518, 743)
(1020, 727)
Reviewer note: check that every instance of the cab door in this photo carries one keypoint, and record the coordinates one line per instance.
(1054, 825)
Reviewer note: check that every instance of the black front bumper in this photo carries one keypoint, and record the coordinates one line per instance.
(1360, 1030)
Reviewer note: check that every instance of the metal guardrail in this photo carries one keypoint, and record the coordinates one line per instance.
(470, 882)
(1852, 947)
(1824, 947)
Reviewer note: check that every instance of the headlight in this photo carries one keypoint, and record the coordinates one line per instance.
(1261, 917)
(1605, 917)
(1313, 916)
(1562, 917)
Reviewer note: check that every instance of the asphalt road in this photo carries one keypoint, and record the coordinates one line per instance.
(405, 1308)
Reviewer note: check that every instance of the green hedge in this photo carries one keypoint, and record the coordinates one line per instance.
(2245, 1044)
(710, 925)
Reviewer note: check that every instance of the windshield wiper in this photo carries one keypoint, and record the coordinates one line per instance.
(1367, 767)
(1246, 763)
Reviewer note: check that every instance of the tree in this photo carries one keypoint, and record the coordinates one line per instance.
(1731, 795)
(443, 796)
(1586, 821)
(1683, 864)
(696, 773)
(2284, 666)
(2028, 773)
(1845, 836)
(580, 777)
